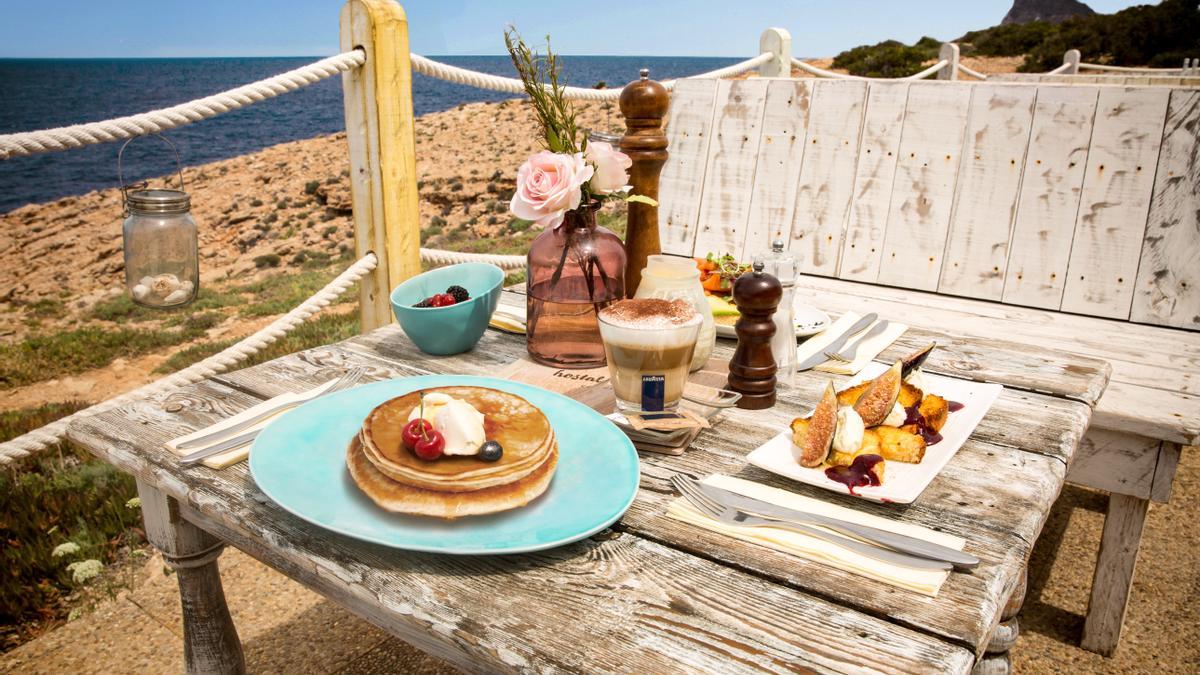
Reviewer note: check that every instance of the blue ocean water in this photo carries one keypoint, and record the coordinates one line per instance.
(43, 93)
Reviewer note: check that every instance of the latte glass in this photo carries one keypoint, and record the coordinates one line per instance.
(649, 354)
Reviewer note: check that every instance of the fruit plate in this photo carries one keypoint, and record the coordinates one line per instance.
(902, 483)
(299, 461)
(809, 321)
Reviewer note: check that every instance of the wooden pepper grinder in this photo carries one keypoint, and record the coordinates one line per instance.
(752, 368)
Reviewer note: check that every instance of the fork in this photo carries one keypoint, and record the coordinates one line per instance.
(347, 380)
(852, 350)
(731, 516)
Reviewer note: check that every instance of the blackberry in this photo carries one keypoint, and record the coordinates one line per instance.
(460, 294)
(427, 302)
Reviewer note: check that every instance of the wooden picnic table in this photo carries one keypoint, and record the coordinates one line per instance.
(650, 594)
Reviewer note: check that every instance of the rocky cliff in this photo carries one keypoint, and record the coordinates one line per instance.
(1054, 11)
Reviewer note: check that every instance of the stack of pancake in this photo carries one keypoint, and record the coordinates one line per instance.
(453, 486)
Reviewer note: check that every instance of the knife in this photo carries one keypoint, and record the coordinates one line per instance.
(849, 353)
(897, 542)
(819, 358)
(235, 442)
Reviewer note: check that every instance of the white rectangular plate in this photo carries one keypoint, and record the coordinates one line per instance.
(902, 483)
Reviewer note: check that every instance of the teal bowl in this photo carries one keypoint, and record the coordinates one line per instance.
(455, 328)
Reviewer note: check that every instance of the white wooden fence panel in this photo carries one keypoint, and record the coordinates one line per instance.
(732, 156)
(682, 178)
(773, 199)
(827, 175)
(1049, 201)
(1168, 281)
(1113, 205)
(988, 183)
(923, 192)
(883, 120)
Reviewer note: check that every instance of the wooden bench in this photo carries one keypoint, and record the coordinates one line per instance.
(1063, 216)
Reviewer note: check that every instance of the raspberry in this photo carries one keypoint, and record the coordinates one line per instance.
(460, 294)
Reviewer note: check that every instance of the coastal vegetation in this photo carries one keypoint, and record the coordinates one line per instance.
(1159, 35)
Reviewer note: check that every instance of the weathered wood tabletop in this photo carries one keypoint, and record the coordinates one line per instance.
(652, 593)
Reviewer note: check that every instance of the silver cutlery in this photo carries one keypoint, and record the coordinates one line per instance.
(732, 516)
(847, 355)
(899, 542)
(859, 326)
(347, 381)
(349, 378)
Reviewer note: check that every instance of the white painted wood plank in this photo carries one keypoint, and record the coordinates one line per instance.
(883, 120)
(986, 195)
(732, 157)
(1114, 202)
(682, 178)
(1049, 199)
(923, 191)
(773, 199)
(827, 175)
(1168, 281)
(1115, 461)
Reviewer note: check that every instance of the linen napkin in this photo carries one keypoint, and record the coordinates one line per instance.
(235, 455)
(867, 351)
(925, 582)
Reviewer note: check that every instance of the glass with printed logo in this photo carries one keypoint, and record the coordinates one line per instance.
(649, 344)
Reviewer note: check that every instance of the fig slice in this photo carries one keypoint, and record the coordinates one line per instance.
(821, 426)
(877, 401)
(916, 359)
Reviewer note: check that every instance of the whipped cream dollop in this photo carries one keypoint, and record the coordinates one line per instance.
(917, 379)
(458, 422)
(848, 435)
(896, 416)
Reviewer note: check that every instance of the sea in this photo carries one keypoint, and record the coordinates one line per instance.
(45, 93)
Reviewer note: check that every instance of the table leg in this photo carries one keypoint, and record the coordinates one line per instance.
(996, 660)
(1114, 573)
(211, 642)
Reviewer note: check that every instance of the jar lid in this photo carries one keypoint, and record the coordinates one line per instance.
(158, 201)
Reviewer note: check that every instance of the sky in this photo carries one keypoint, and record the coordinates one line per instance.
(171, 28)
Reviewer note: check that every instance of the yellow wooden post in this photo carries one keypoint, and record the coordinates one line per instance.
(383, 166)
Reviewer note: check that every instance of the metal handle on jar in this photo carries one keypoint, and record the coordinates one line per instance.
(121, 171)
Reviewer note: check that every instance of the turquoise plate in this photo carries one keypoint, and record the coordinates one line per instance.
(299, 461)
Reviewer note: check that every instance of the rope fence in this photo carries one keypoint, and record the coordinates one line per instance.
(973, 73)
(50, 435)
(821, 72)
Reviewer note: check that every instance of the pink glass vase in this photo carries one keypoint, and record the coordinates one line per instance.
(571, 273)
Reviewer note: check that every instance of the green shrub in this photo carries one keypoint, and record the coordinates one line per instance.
(41, 357)
(267, 260)
(889, 58)
(63, 495)
(310, 188)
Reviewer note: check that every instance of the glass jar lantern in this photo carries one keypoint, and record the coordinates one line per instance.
(672, 277)
(162, 262)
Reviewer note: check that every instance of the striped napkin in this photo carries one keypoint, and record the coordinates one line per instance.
(925, 582)
(867, 351)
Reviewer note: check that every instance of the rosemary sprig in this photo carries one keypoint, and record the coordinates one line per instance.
(539, 74)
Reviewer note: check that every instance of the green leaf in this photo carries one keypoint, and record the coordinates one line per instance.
(641, 199)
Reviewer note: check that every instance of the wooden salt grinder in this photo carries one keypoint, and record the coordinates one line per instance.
(752, 368)
(643, 104)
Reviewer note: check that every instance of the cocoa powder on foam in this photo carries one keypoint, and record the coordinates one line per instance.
(650, 313)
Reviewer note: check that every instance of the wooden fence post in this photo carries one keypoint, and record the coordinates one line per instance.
(777, 41)
(1072, 58)
(383, 167)
(948, 52)
(644, 104)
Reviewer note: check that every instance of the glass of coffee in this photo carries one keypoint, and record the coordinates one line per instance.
(649, 343)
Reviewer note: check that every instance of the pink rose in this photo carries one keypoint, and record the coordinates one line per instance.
(612, 168)
(548, 186)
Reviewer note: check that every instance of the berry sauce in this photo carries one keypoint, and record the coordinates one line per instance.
(860, 473)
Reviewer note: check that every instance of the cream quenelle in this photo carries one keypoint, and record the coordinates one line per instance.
(848, 436)
(458, 421)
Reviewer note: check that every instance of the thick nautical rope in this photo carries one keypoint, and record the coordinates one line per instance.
(438, 258)
(973, 73)
(1128, 69)
(50, 435)
(509, 85)
(821, 72)
(155, 121)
